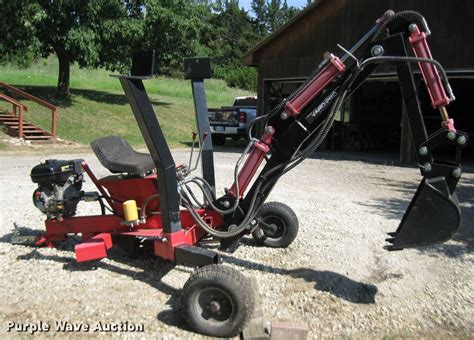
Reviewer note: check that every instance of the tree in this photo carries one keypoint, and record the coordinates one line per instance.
(173, 28)
(230, 33)
(271, 14)
(71, 29)
(259, 9)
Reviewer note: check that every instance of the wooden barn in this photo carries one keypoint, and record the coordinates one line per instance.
(372, 118)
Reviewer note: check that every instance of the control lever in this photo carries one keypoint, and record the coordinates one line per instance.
(192, 149)
(204, 136)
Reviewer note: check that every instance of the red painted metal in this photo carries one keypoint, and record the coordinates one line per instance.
(334, 68)
(95, 228)
(42, 241)
(165, 248)
(120, 190)
(136, 188)
(253, 161)
(97, 231)
(430, 74)
(85, 224)
(94, 249)
(89, 251)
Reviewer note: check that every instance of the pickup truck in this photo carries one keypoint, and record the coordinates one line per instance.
(232, 121)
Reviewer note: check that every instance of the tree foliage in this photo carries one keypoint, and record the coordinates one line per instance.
(103, 33)
(71, 29)
(271, 14)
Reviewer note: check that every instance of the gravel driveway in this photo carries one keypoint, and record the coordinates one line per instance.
(336, 276)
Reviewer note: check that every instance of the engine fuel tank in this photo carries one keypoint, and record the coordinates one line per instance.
(56, 171)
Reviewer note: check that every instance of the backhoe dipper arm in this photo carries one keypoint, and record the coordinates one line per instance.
(298, 125)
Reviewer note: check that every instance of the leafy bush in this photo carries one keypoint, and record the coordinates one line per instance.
(238, 76)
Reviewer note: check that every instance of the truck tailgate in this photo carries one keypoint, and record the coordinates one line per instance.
(224, 117)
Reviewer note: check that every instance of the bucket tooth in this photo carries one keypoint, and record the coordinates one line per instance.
(390, 240)
(392, 234)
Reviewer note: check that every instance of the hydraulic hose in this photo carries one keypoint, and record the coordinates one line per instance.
(191, 193)
(412, 60)
(408, 14)
(229, 233)
(252, 124)
(210, 197)
(145, 204)
(322, 130)
(337, 105)
(317, 140)
(277, 109)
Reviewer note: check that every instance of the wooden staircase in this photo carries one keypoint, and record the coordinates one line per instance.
(30, 131)
(14, 122)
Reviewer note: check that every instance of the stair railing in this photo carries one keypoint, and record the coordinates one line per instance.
(18, 109)
(21, 93)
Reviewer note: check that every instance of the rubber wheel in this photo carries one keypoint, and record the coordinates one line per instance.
(218, 139)
(217, 301)
(278, 224)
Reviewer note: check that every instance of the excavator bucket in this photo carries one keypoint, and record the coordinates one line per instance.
(433, 216)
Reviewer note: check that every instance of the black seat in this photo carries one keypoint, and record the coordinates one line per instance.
(118, 156)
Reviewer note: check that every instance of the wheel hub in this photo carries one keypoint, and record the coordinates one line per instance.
(273, 226)
(214, 307)
(271, 229)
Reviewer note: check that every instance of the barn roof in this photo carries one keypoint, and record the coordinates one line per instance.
(248, 60)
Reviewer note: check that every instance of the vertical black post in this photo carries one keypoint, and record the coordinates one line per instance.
(159, 151)
(202, 120)
(198, 69)
(407, 148)
(412, 104)
(396, 46)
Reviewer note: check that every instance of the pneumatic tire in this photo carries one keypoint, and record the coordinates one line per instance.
(277, 225)
(217, 301)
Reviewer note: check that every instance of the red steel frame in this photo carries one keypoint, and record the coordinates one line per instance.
(97, 231)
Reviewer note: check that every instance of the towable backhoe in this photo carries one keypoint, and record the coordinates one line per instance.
(155, 205)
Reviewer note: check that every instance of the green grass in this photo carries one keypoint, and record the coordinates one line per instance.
(97, 106)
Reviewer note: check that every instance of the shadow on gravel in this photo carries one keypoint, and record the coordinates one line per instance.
(151, 270)
(464, 236)
(325, 281)
(394, 208)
